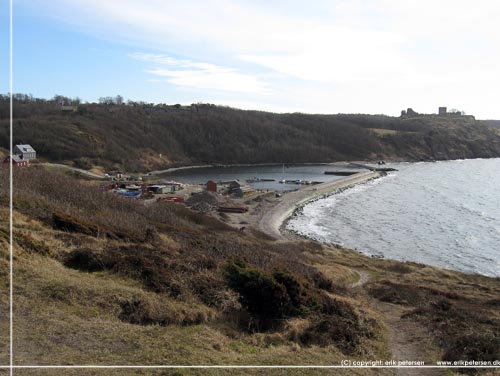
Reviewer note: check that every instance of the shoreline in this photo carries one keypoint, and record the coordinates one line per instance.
(337, 163)
(274, 218)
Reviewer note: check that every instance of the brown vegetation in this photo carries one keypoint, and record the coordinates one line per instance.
(104, 279)
(462, 322)
(114, 136)
(182, 262)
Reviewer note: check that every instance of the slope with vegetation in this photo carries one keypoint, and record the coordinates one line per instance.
(100, 279)
(140, 137)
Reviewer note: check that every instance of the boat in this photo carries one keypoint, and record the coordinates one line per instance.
(130, 193)
(258, 180)
(341, 173)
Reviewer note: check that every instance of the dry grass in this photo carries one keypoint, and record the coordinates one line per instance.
(70, 316)
(165, 300)
(339, 274)
(384, 132)
(83, 296)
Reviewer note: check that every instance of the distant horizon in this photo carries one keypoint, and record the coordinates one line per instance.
(333, 56)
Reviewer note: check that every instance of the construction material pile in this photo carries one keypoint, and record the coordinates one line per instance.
(204, 201)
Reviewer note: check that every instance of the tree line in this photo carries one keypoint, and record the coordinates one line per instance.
(141, 136)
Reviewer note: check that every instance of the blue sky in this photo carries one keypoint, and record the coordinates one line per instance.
(349, 56)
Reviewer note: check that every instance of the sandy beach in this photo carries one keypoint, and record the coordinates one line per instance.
(274, 213)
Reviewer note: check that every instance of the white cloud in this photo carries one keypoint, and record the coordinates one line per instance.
(425, 52)
(338, 54)
(199, 75)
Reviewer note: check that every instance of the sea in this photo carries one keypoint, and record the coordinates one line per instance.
(264, 177)
(445, 214)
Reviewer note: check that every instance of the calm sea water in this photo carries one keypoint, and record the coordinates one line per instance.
(445, 214)
(277, 172)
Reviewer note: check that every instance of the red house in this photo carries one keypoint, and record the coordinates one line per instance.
(16, 161)
(211, 186)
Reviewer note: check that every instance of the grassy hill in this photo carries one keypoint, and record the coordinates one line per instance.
(100, 279)
(144, 137)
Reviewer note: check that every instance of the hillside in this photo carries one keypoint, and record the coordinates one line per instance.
(100, 279)
(141, 137)
(493, 123)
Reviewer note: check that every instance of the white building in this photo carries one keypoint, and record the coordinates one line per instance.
(25, 152)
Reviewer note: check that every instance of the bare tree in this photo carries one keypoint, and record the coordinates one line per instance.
(106, 100)
(119, 99)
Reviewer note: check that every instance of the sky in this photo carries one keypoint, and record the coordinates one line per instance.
(336, 56)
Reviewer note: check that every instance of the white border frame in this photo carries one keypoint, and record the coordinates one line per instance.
(11, 365)
(11, 192)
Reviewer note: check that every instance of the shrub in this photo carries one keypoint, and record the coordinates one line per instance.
(400, 268)
(479, 347)
(137, 312)
(210, 288)
(443, 305)
(65, 222)
(86, 259)
(259, 292)
(141, 263)
(302, 297)
(273, 296)
(493, 302)
(68, 223)
(339, 325)
(292, 287)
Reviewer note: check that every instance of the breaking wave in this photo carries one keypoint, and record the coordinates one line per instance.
(445, 214)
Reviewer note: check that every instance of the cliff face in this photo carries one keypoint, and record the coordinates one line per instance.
(452, 138)
(150, 137)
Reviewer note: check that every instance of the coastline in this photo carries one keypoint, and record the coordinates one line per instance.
(273, 220)
(194, 167)
(429, 244)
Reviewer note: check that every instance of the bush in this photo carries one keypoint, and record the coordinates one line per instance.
(485, 347)
(278, 295)
(292, 287)
(442, 304)
(400, 268)
(340, 325)
(302, 299)
(141, 263)
(259, 292)
(86, 259)
(73, 224)
(68, 223)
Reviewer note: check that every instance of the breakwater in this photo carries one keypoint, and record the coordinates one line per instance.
(272, 221)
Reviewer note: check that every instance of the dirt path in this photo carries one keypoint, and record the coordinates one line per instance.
(79, 170)
(407, 340)
(364, 277)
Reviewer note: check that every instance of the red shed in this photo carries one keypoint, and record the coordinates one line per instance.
(16, 160)
(211, 186)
